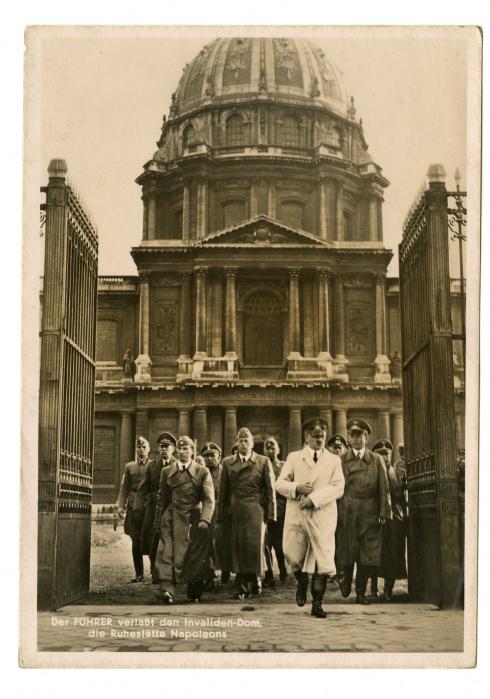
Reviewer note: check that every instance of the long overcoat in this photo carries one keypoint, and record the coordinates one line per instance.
(395, 530)
(130, 498)
(184, 499)
(309, 534)
(366, 499)
(248, 501)
(275, 530)
(148, 488)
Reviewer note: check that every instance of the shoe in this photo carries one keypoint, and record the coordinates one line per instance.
(344, 588)
(167, 598)
(137, 579)
(283, 575)
(268, 580)
(317, 611)
(362, 599)
(302, 589)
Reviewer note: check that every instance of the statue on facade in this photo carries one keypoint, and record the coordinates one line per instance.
(129, 366)
(396, 367)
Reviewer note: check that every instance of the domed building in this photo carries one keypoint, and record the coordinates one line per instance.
(261, 296)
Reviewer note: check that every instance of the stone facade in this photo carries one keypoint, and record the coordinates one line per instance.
(261, 296)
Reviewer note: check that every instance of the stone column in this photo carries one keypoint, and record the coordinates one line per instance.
(152, 214)
(143, 361)
(230, 312)
(184, 422)
(340, 360)
(340, 421)
(383, 424)
(253, 198)
(324, 356)
(271, 200)
(373, 218)
(200, 427)
(381, 362)
(145, 217)
(230, 430)
(126, 441)
(186, 211)
(294, 327)
(295, 436)
(396, 431)
(202, 208)
(326, 414)
(216, 429)
(322, 213)
(459, 434)
(339, 211)
(200, 312)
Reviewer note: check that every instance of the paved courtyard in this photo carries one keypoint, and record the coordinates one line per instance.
(119, 616)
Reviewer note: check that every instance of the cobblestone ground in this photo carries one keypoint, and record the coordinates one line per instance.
(118, 616)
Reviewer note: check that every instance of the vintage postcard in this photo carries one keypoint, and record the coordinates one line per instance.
(250, 322)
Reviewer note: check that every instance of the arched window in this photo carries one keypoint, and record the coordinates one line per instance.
(189, 137)
(291, 212)
(234, 211)
(235, 131)
(262, 310)
(287, 131)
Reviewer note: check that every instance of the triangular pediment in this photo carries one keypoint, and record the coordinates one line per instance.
(262, 231)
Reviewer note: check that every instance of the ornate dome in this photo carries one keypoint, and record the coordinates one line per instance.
(276, 68)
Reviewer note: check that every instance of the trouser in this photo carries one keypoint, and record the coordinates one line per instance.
(137, 557)
(318, 587)
(362, 574)
(246, 581)
(153, 555)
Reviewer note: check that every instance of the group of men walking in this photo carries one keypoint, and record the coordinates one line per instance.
(329, 507)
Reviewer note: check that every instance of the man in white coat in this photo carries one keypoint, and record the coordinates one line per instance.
(312, 480)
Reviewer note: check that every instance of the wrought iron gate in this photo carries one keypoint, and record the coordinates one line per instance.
(66, 400)
(435, 558)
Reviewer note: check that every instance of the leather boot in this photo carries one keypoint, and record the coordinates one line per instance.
(302, 589)
(268, 580)
(388, 590)
(361, 582)
(344, 579)
(318, 586)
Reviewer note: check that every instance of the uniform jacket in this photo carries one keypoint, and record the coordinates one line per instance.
(130, 498)
(148, 489)
(366, 499)
(247, 500)
(309, 534)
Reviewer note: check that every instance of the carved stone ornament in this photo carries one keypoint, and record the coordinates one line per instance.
(236, 62)
(285, 56)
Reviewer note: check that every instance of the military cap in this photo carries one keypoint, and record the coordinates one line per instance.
(210, 446)
(337, 440)
(359, 425)
(315, 423)
(185, 441)
(166, 438)
(142, 442)
(244, 432)
(383, 445)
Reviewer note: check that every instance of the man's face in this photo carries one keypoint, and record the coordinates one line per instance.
(165, 449)
(315, 439)
(271, 449)
(211, 458)
(184, 452)
(142, 450)
(357, 438)
(245, 445)
(386, 454)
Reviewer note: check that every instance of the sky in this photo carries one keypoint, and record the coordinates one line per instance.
(103, 95)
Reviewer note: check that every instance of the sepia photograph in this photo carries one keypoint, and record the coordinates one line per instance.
(251, 320)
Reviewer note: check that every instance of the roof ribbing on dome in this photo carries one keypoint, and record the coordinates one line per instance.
(279, 68)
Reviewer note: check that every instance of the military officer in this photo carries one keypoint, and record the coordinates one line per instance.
(183, 514)
(312, 481)
(211, 454)
(274, 532)
(393, 564)
(149, 490)
(132, 502)
(363, 511)
(337, 444)
(248, 499)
